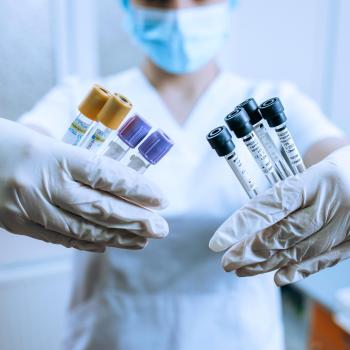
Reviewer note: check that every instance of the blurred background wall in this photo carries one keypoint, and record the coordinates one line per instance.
(42, 41)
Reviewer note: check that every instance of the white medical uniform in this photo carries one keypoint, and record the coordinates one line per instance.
(174, 295)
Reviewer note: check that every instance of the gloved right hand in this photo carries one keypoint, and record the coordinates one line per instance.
(297, 228)
(66, 195)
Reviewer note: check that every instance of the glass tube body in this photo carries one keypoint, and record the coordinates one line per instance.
(242, 175)
(261, 158)
(96, 138)
(80, 126)
(271, 148)
(117, 149)
(290, 148)
(138, 163)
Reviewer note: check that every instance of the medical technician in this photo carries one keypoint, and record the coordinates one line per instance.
(173, 295)
(60, 194)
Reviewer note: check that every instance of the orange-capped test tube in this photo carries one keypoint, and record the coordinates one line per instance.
(89, 109)
(109, 119)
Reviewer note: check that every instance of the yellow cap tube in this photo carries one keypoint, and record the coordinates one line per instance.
(114, 111)
(93, 103)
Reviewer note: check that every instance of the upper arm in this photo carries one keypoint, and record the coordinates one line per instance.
(53, 114)
(323, 148)
(315, 135)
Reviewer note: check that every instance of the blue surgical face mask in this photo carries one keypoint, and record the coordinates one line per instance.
(180, 41)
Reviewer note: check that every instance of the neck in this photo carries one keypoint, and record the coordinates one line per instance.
(180, 92)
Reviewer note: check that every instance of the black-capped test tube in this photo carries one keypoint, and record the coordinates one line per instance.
(238, 121)
(273, 111)
(256, 119)
(220, 139)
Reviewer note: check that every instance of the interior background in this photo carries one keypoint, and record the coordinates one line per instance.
(42, 41)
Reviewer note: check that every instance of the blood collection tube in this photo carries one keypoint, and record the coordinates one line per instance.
(238, 121)
(273, 111)
(252, 109)
(151, 151)
(89, 108)
(220, 139)
(129, 136)
(109, 119)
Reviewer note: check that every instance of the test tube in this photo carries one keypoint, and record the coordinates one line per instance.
(220, 139)
(273, 111)
(238, 121)
(129, 136)
(109, 119)
(151, 151)
(89, 108)
(256, 119)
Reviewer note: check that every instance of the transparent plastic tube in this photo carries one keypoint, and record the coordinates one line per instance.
(110, 118)
(242, 175)
(273, 111)
(138, 163)
(97, 138)
(290, 148)
(261, 157)
(220, 140)
(89, 109)
(78, 129)
(238, 121)
(129, 136)
(117, 149)
(272, 150)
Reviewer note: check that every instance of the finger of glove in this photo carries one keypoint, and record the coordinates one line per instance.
(105, 174)
(107, 211)
(38, 232)
(322, 241)
(296, 272)
(65, 223)
(259, 213)
(270, 243)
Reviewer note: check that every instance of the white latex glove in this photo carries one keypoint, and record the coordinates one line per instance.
(66, 195)
(298, 227)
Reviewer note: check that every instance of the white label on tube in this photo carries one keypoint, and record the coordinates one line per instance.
(97, 139)
(289, 146)
(76, 131)
(267, 141)
(259, 153)
(242, 175)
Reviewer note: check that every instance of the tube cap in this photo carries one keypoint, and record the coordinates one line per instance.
(114, 111)
(238, 121)
(220, 139)
(92, 104)
(252, 109)
(134, 131)
(156, 146)
(273, 111)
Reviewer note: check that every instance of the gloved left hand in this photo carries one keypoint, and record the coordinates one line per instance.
(298, 227)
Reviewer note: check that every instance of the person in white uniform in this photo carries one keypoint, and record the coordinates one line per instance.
(173, 295)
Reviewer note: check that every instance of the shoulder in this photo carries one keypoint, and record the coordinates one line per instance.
(123, 81)
(261, 90)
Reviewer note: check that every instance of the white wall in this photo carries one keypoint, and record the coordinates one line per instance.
(43, 40)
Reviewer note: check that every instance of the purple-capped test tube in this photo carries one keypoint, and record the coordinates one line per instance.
(151, 151)
(129, 136)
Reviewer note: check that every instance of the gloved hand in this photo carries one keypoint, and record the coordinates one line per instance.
(66, 195)
(298, 227)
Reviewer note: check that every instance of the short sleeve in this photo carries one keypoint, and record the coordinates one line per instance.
(305, 119)
(56, 110)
